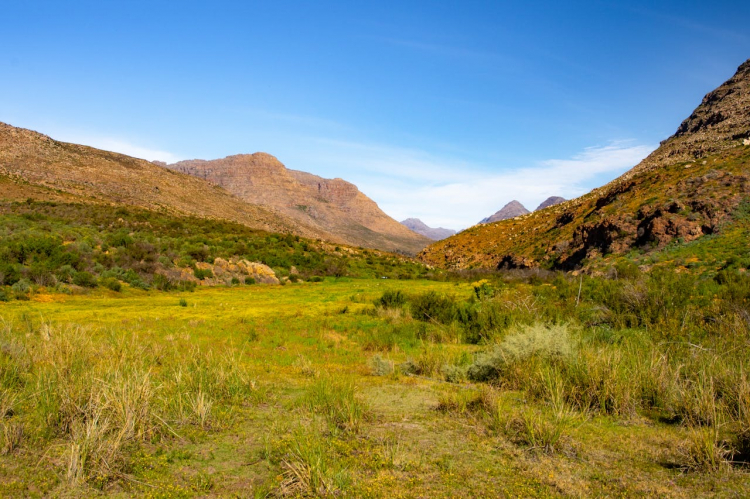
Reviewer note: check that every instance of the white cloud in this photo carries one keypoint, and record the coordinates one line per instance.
(118, 145)
(408, 183)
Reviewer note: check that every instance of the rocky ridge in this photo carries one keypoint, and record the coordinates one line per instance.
(33, 165)
(418, 226)
(333, 206)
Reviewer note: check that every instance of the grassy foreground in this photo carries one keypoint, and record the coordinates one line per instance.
(309, 389)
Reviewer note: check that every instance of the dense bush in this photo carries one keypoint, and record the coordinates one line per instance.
(48, 243)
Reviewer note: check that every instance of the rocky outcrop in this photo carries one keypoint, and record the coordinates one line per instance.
(331, 205)
(221, 272)
(418, 226)
(510, 210)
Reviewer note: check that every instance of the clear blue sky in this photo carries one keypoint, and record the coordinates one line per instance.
(439, 110)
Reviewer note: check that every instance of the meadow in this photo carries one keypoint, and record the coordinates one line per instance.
(519, 384)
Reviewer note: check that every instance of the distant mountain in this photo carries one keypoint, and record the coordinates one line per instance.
(333, 206)
(696, 183)
(550, 201)
(510, 210)
(420, 227)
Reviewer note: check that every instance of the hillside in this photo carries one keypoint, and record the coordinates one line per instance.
(510, 210)
(333, 206)
(36, 166)
(418, 226)
(692, 186)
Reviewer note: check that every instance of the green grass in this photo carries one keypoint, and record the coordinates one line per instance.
(262, 390)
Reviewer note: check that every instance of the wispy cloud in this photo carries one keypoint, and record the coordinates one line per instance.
(118, 145)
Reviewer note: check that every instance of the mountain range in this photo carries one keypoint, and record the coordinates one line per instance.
(418, 226)
(332, 206)
(693, 185)
(254, 190)
(516, 209)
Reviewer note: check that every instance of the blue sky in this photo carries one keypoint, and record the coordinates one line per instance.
(443, 111)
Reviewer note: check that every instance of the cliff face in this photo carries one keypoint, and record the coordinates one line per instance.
(334, 206)
(37, 166)
(689, 187)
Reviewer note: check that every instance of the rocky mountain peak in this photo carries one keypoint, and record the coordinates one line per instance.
(550, 201)
(510, 210)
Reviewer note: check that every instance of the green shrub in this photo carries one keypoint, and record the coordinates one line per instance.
(4, 295)
(183, 302)
(203, 274)
(433, 307)
(539, 341)
(22, 286)
(391, 299)
(249, 280)
(84, 279)
(111, 283)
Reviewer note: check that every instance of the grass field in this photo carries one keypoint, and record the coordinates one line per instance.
(303, 389)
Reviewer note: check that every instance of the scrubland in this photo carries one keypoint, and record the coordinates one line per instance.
(518, 384)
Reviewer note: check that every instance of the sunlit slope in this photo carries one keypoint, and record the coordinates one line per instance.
(36, 166)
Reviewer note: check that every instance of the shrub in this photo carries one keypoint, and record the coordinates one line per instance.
(235, 281)
(23, 286)
(201, 274)
(84, 279)
(546, 342)
(381, 366)
(315, 278)
(391, 299)
(111, 283)
(183, 302)
(249, 280)
(432, 307)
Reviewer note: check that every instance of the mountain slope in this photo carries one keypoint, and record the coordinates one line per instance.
(418, 226)
(510, 210)
(35, 166)
(333, 206)
(693, 185)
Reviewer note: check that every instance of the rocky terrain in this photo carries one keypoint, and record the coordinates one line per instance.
(550, 201)
(36, 166)
(691, 186)
(418, 226)
(333, 206)
(510, 210)
(222, 272)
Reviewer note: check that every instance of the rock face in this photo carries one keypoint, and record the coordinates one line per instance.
(510, 210)
(36, 166)
(550, 201)
(223, 271)
(691, 186)
(420, 227)
(333, 206)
